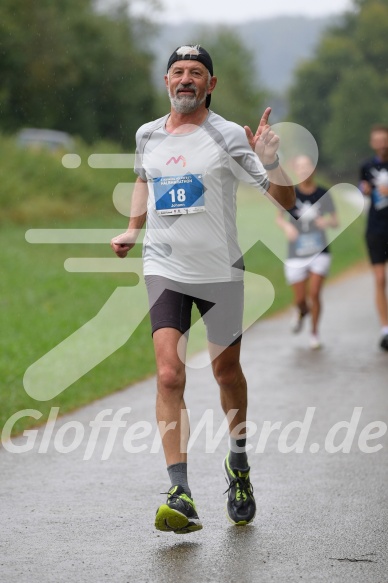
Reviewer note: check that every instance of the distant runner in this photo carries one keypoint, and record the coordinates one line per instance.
(374, 185)
(309, 257)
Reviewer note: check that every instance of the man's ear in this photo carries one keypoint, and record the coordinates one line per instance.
(212, 85)
(166, 80)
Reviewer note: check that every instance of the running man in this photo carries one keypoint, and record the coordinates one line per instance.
(374, 185)
(189, 164)
(309, 257)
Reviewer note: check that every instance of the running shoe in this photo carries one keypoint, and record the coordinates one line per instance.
(384, 342)
(241, 505)
(315, 343)
(297, 321)
(178, 514)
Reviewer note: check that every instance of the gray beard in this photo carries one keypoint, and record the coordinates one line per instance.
(186, 104)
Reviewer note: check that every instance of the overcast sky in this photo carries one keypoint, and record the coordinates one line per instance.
(227, 11)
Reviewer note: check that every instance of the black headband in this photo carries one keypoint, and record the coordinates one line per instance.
(203, 57)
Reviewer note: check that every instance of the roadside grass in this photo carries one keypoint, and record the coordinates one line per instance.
(35, 186)
(42, 303)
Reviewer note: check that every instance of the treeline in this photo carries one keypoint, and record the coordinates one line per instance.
(64, 65)
(67, 66)
(340, 93)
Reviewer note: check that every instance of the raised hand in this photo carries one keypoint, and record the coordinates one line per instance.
(264, 142)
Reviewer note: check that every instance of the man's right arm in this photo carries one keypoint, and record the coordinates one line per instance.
(124, 242)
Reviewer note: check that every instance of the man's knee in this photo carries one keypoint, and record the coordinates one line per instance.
(228, 375)
(171, 380)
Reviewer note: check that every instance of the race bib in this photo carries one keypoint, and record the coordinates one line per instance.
(379, 201)
(309, 244)
(179, 195)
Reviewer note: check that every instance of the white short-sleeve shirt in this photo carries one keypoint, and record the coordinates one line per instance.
(191, 233)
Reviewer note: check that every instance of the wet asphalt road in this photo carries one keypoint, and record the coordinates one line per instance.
(321, 516)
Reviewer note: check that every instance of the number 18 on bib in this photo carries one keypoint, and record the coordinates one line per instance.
(179, 195)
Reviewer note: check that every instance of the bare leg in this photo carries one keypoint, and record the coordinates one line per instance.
(178, 514)
(300, 296)
(170, 404)
(233, 387)
(241, 506)
(316, 283)
(380, 294)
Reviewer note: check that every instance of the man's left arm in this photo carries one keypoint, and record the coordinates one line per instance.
(266, 144)
(280, 188)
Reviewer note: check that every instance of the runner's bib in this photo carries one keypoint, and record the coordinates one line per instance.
(179, 195)
(309, 244)
(379, 200)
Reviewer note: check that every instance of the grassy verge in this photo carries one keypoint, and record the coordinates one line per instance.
(36, 187)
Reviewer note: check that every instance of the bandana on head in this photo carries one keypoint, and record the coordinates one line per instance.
(202, 56)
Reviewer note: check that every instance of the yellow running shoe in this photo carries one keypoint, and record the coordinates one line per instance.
(178, 514)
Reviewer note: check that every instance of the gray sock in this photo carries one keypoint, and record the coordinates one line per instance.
(178, 476)
(237, 455)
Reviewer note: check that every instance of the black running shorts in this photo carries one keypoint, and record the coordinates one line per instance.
(220, 305)
(377, 248)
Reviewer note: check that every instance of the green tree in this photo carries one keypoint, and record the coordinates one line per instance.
(66, 66)
(237, 96)
(345, 137)
(314, 82)
(343, 90)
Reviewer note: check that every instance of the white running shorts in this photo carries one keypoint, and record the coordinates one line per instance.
(298, 269)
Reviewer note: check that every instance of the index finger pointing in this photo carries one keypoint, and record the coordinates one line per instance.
(265, 116)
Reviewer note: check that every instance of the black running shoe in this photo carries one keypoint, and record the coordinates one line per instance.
(241, 505)
(178, 514)
(384, 342)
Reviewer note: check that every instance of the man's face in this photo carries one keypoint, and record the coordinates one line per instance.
(379, 143)
(188, 83)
